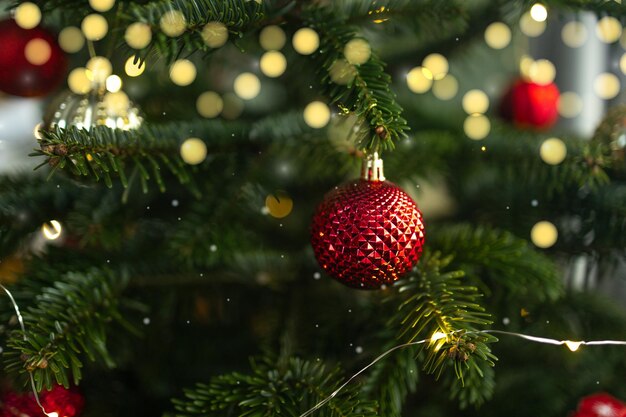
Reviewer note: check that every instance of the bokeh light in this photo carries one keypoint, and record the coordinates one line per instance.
(94, 27)
(477, 126)
(272, 38)
(544, 234)
(419, 80)
(608, 29)
(498, 35)
(138, 35)
(570, 104)
(531, 27)
(437, 65)
(133, 69)
(78, 81)
(446, 88)
(173, 23)
(99, 69)
(71, 39)
(273, 64)
(183, 72)
(52, 230)
(574, 34)
(342, 72)
(247, 86)
(306, 41)
(538, 12)
(102, 5)
(209, 104)
(113, 83)
(317, 114)
(215, 34)
(37, 51)
(542, 72)
(475, 101)
(606, 86)
(193, 151)
(553, 151)
(357, 51)
(279, 204)
(27, 15)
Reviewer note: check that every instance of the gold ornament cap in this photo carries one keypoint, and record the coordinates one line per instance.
(372, 168)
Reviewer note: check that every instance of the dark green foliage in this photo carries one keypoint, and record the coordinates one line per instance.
(70, 318)
(289, 390)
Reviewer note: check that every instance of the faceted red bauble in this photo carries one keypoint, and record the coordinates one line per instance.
(31, 62)
(531, 105)
(367, 233)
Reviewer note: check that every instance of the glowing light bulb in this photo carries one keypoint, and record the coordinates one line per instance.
(173, 23)
(475, 101)
(138, 35)
(183, 72)
(273, 64)
(357, 51)
(498, 35)
(247, 86)
(317, 114)
(544, 234)
(573, 346)
(102, 5)
(553, 151)
(539, 12)
(94, 27)
(306, 41)
(99, 69)
(209, 104)
(272, 38)
(51, 230)
(419, 80)
(37, 51)
(215, 34)
(113, 83)
(193, 151)
(133, 69)
(71, 39)
(279, 205)
(438, 335)
(437, 65)
(27, 15)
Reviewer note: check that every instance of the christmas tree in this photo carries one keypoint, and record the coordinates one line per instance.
(196, 241)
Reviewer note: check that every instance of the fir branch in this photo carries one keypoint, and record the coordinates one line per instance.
(434, 301)
(369, 95)
(268, 391)
(500, 257)
(69, 318)
(237, 15)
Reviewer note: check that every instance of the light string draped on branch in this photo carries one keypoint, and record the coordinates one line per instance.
(20, 320)
(571, 345)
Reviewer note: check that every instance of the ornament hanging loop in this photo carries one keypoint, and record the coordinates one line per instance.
(372, 168)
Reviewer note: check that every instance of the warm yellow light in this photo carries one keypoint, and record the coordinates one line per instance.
(573, 346)
(553, 151)
(209, 104)
(279, 205)
(544, 234)
(247, 86)
(357, 51)
(113, 83)
(71, 39)
(53, 414)
(27, 15)
(570, 104)
(116, 103)
(306, 41)
(446, 88)
(193, 151)
(437, 336)
(475, 101)
(574, 34)
(133, 69)
(173, 23)
(539, 12)
(138, 35)
(477, 126)
(437, 65)
(608, 29)
(51, 230)
(37, 51)
(531, 27)
(272, 38)
(342, 72)
(78, 81)
(273, 64)
(606, 86)
(419, 80)
(542, 72)
(94, 27)
(498, 35)
(317, 114)
(525, 66)
(622, 63)
(102, 5)
(233, 106)
(99, 69)
(37, 132)
(215, 34)
(183, 72)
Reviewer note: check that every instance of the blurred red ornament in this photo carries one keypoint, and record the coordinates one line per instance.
(601, 405)
(528, 104)
(31, 62)
(367, 233)
(64, 402)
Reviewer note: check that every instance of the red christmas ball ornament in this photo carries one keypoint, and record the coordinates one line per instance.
(64, 402)
(528, 104)
(369, 232)
(601, 405)
(31, 62)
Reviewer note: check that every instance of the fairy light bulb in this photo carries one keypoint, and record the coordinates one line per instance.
(247, 86)
(94, 27)
(272, 38)
(498, 35)
(279, 205)
(27, 15)
(357, 51)
(173, 23)
(446, 88)
(209, 104)
(553, 151)
(71, 39)
(570, 104)
(37, 51)
(215, 34)
(342, 72)
(438, 335)
(51, 230)
(113, 83)
(531, 27)
(542, 72)
(419, 80)
(273, 64)
(574, 34)
(437, 64)
(477, 126)
(609, 29)
(78, 81)
(475, 101)
(183, 72)
(193, 151)
(99, 69)
(306, 41)
(573, 346)
(539, 12)
(102, 5)
(606, 86)
(134, 69)
(317, 114)
(138, 35)
(544, 234)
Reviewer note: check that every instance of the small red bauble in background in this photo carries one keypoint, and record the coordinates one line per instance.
(600, 405)
(31, 62)
(64, 402)
(528, 104)
(367, 233)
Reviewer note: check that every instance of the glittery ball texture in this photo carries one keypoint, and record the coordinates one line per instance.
(367, 234)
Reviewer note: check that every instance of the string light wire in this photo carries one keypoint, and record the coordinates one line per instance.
(20, 320)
